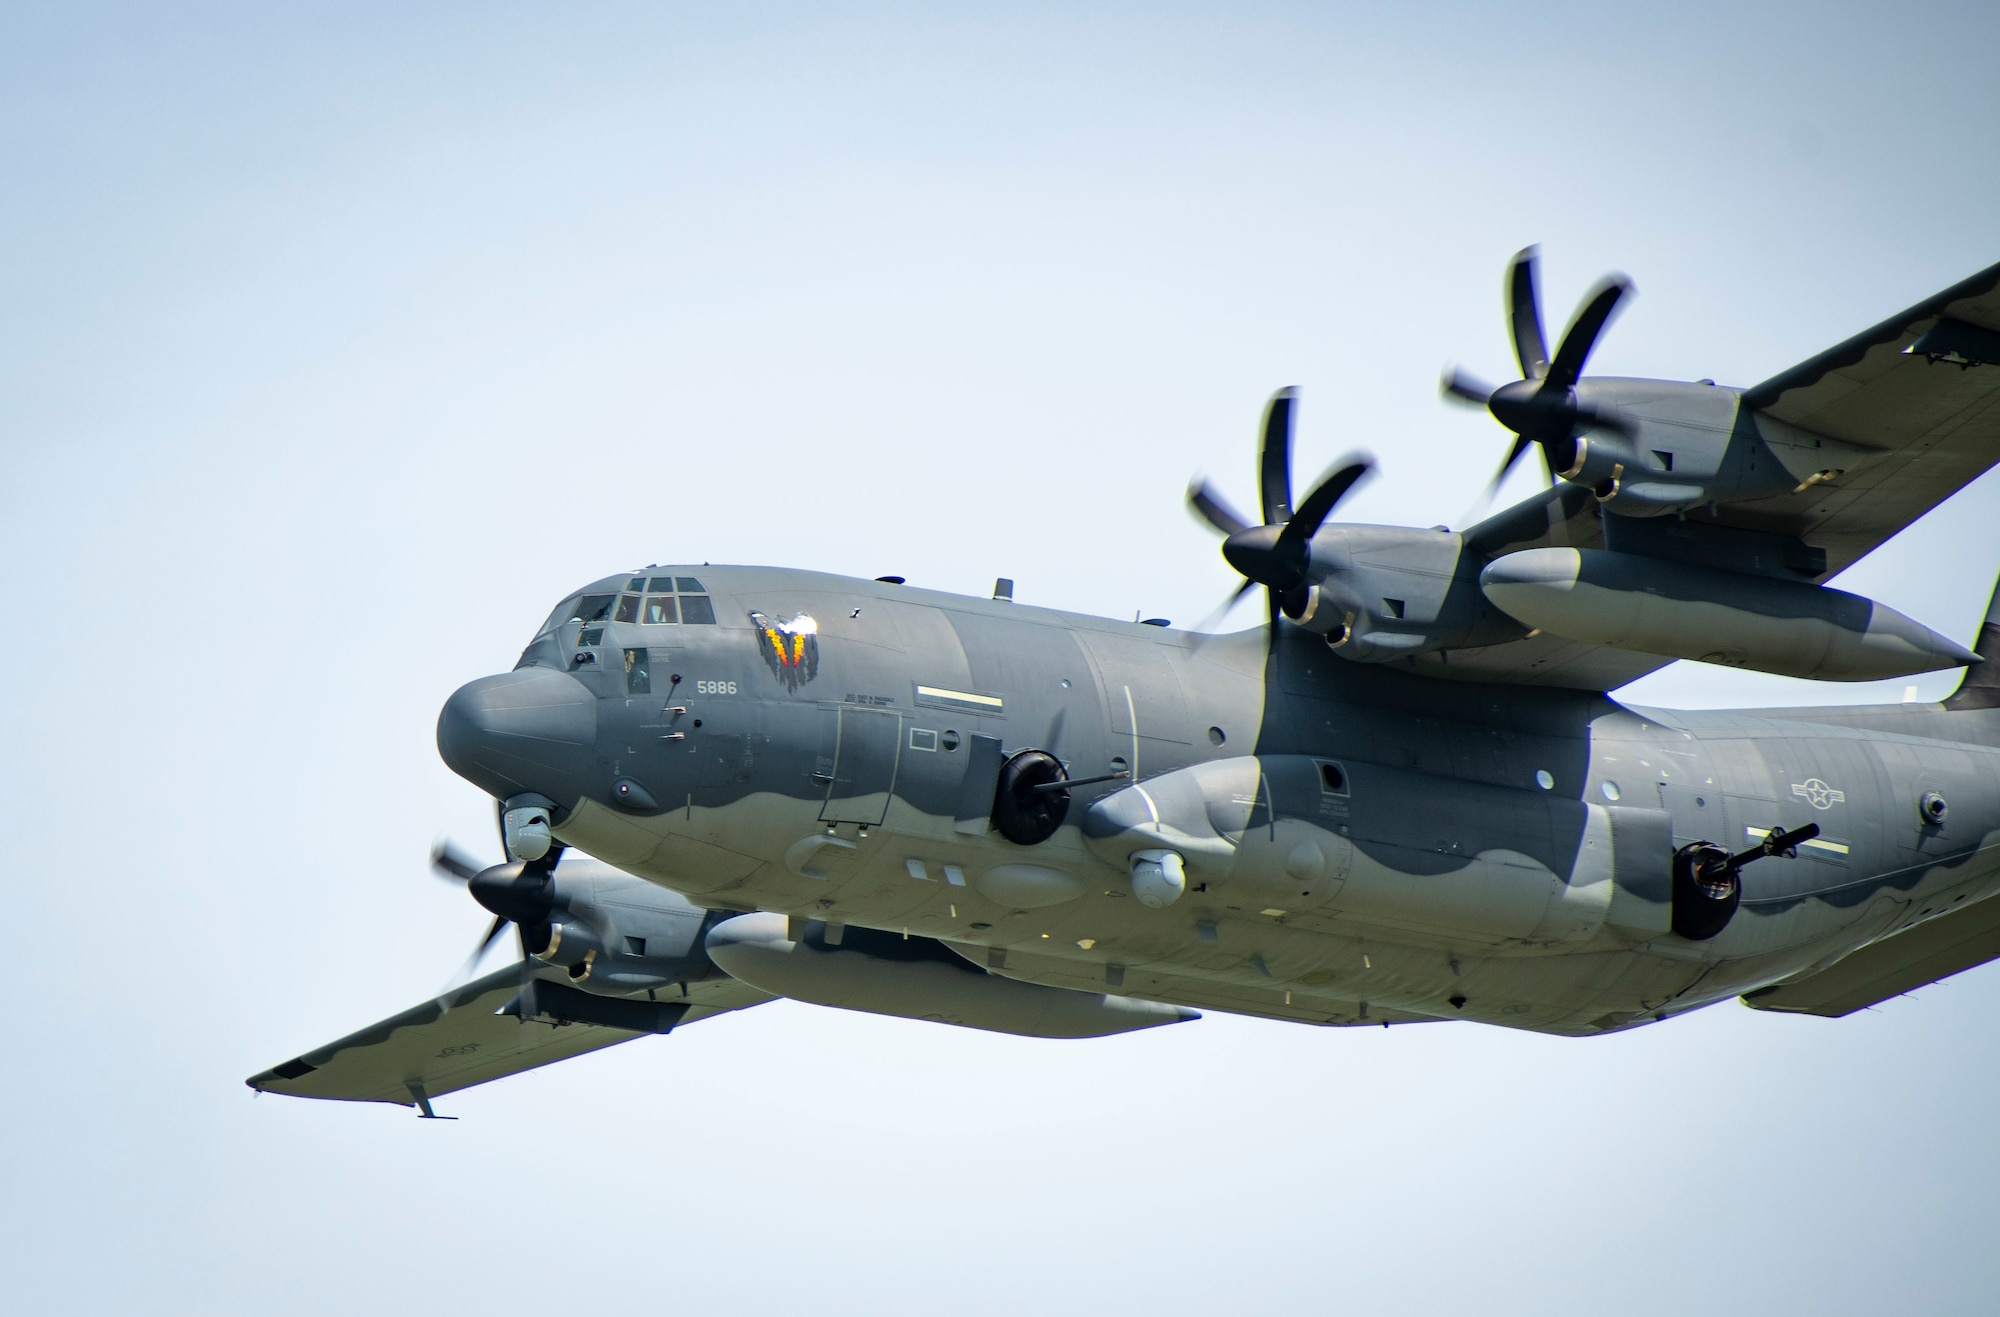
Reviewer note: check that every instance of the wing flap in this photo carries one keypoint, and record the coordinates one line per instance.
(460, 1039)
(1936, 949)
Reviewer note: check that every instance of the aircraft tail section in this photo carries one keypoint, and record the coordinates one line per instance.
(1981, 687)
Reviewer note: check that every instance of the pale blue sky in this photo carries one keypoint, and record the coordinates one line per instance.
(339, 342)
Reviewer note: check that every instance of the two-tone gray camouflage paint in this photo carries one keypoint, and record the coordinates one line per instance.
(1441, 880)
(1410, 801)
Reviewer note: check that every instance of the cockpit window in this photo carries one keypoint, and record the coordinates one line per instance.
(659, 610)
(628, 608)
(697, 609)
(688, 585)
(564, 611)
(637, 585)
(592, 608)
(661, 585)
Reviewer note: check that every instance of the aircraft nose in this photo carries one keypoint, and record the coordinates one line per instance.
(527, 730)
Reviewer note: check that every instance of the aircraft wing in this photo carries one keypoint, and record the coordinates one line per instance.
(1565, 516)
(461, 1038)
(1923, 388)
(1936, 949)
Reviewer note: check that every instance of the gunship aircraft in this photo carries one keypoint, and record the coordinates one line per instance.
(1408, 797)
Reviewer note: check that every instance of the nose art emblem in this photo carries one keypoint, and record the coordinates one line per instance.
(790, 648)
(1818, 794)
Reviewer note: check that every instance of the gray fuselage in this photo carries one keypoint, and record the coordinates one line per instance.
(1363, 845)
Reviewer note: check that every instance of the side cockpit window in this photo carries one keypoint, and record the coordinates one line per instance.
(564, 612)
(592, 608)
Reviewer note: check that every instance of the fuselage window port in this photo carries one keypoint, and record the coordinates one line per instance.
(659, 610)
(697, 609)
(1332, 778)
(923, 738)
(590, 636)
(638, 674)
(593, 608)
(628, 608)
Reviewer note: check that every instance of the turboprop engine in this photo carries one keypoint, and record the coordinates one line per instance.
(917, 978)
(1644, 448)
(1386, 592)
(1655, 606)
(612, 934)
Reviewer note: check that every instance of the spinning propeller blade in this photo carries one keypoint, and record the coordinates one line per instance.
(1524, 315)
(521, 893)
(1312, 513)
(1457, 384)
(1542, 407)
(464, 972)
(1582, 334)
(1274, 459)
(452, 864)
(1210, 508)
(1277, 554)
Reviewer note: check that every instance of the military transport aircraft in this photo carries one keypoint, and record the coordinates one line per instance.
(1407, 797)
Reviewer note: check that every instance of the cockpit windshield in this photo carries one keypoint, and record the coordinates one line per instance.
(649, 601)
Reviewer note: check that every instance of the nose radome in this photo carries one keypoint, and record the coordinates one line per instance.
(526, 730)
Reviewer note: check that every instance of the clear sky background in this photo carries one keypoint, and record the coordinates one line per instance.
(338, 342)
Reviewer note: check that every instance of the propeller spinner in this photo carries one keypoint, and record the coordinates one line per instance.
(1277, 553)
(521, 893)
(1542, 407)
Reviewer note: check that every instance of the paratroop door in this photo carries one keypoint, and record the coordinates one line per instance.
(866, 745)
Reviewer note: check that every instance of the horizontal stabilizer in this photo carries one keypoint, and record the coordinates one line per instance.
(461, 1038)
(1936, 949)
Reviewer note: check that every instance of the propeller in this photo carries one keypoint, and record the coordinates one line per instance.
(1277, 553)
(521, 893)
(1541, 407)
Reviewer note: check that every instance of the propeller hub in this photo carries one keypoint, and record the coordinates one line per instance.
(1527, 408)
(1259, 555)
(518, 892)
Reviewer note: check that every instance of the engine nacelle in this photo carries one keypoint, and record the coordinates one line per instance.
(1675, 445)
(616, 935)
(1387, 592)
(916, 978)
